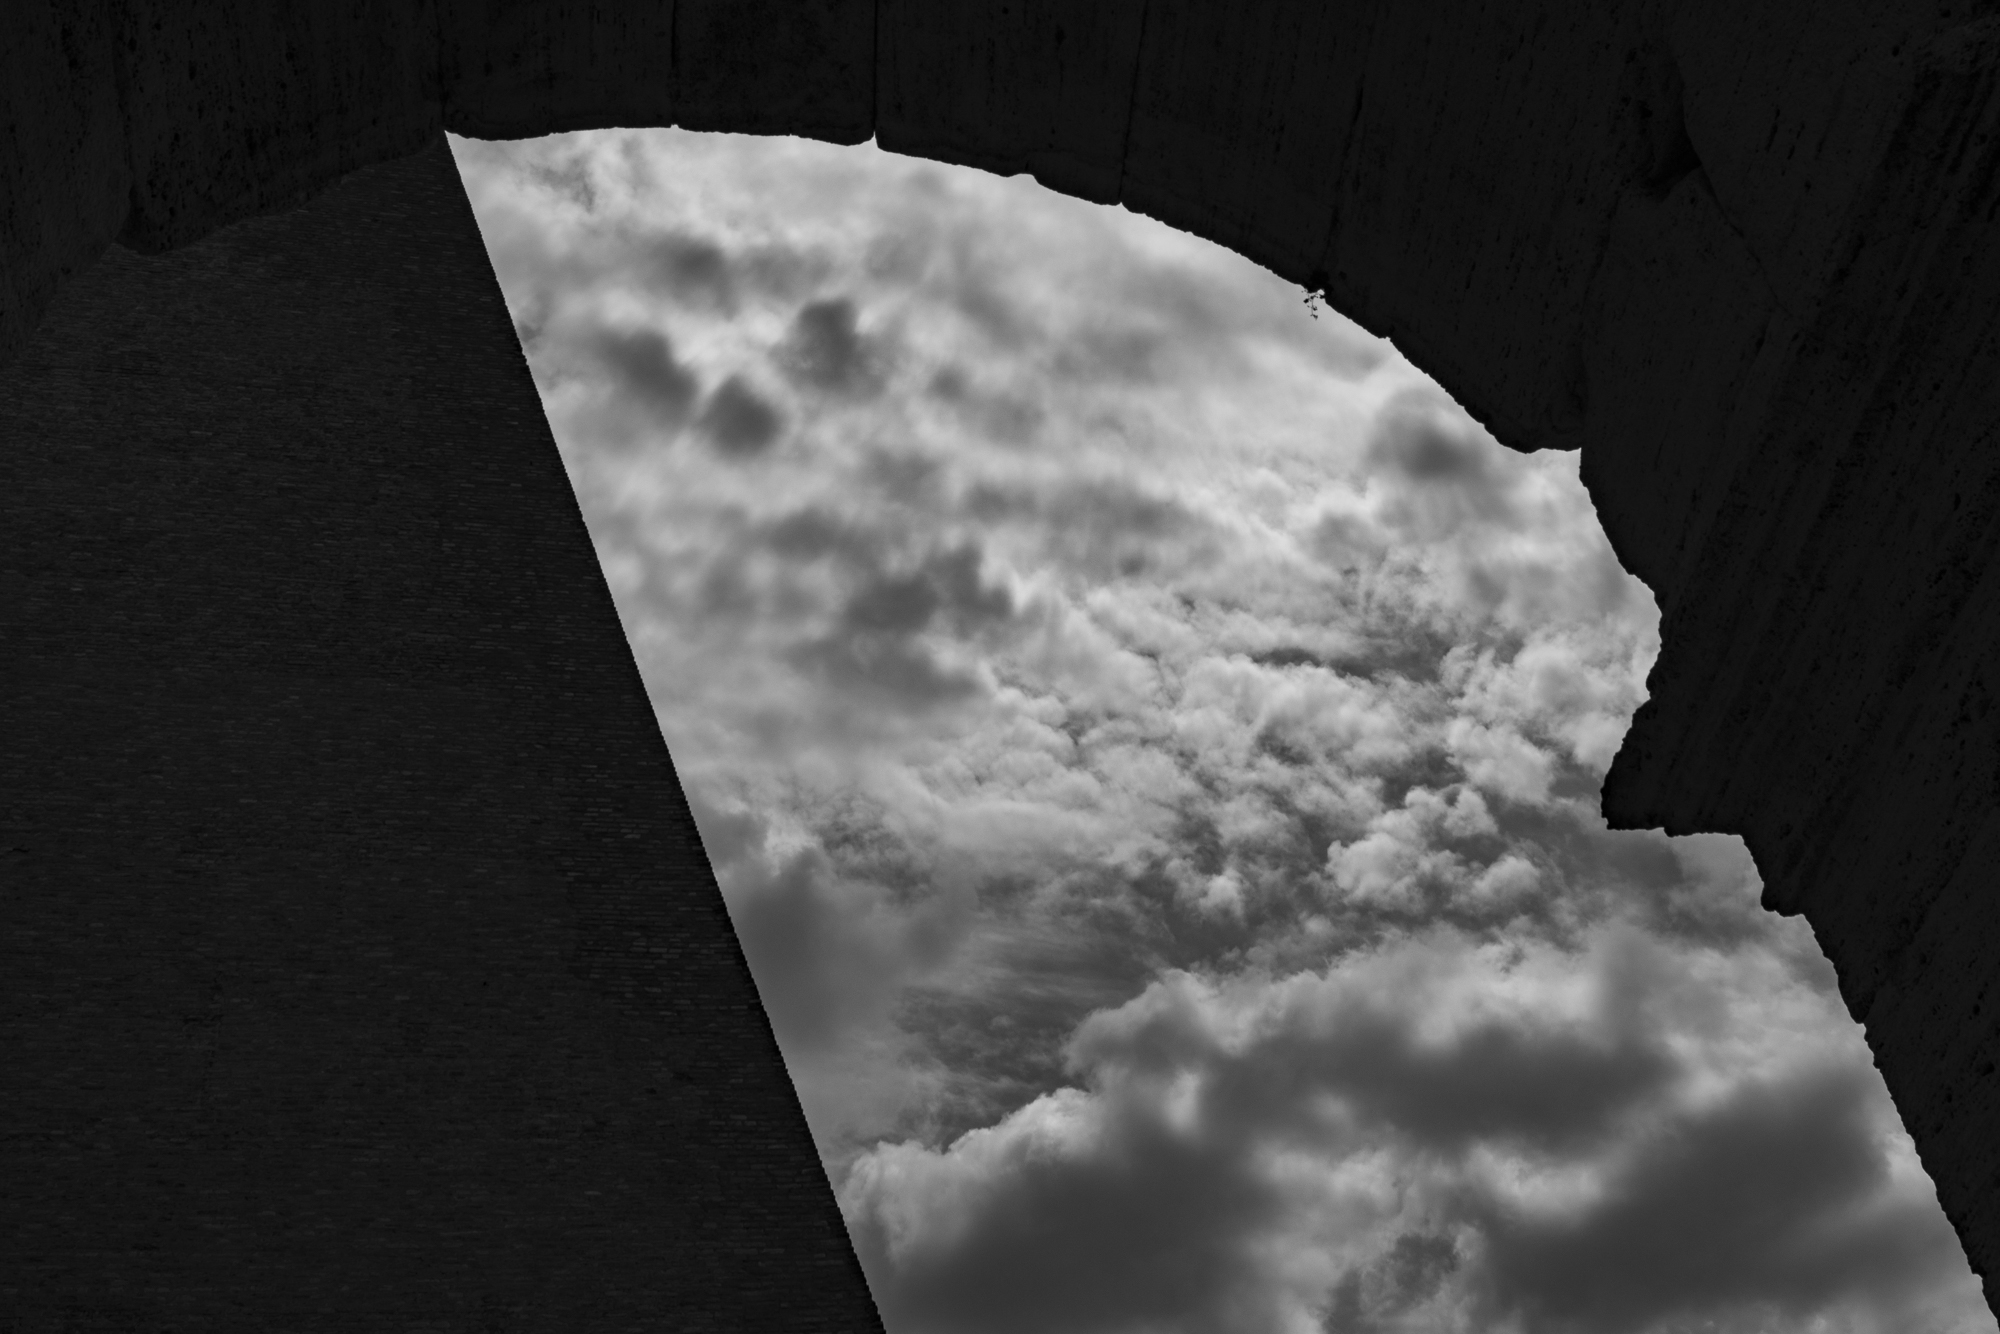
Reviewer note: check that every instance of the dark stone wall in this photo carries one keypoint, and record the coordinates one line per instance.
(362, 967)
(1744, 253)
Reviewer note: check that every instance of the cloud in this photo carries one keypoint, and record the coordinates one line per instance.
(648, 392)
(1407, 1049)
(884, 669)
(1070, 1217)
(687, 269)
(1509, 542)
(831, 950)
(1391, 863)
(1370, 1297)
(1491, 1137)
(1095, 528)
(825, 348)
(1500, 760)
(897, 638)
(967, 599)
(1777, 1199)
(738, 419)
(1440, 477)
(947, 585)
(997, 414)
(643, 362)
(819, 960)
(570, 178)
(1506, 882)
(1149, 741)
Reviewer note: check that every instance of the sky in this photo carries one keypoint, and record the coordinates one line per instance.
(1148, 738)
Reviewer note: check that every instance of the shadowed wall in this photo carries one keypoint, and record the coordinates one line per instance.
(362, 966)
(1743, 255)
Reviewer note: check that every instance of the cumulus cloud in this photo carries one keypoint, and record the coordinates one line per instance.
(694, 270)
(1149, 740)
(739, 420)
(1776, 1202)
(644, 368)
(1408, 847)
(1503, 1142)
(825, 349)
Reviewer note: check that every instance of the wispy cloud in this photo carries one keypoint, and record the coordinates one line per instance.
(1148, 740)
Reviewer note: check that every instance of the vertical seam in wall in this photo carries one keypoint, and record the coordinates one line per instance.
(437, 35)
(1322, 271)
(119, 16)
(1132, 100)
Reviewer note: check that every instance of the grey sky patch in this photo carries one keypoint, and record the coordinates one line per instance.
(811, 533)
(886, 669)
(1096, 527)
(1005, 417)
(1160, 317)
(1416, 1267)
(1710, 899)
(1344, 1313)
(530, 318)
(1145, 1233)
(643, 365)
(1423, 451)
(738, 420)
(1163, 1160)
(901, 253)
(1122, 354)
(951, 384)
(1409, 653)
(984, 305)
(1756, 1203)
(825, 349)
(958, 576)
(816, 962)
(779, 271)
(897, 604)
(726, 835)
(1292, 656)
(906, 477)
(1353, 357)
(692, 270)
(947, 585)
(998, 1062)
(1550, 1088)
(724, 592)
(1551, 1091)
(1010, 1037)
(1347, 543)
(971, 276)
(1372, 1298)
(570, 179)
(1442, 475)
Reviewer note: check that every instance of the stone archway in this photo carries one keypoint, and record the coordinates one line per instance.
(1742, 255)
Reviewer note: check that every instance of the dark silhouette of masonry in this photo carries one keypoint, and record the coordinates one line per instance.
(362, 965)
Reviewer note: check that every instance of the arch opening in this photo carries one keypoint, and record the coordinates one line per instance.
(1149, 737)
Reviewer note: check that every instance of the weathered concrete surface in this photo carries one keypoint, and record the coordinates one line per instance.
(362, 968)
(1745, 253)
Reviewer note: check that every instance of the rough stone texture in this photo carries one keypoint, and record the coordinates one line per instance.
(1743, 253)
(362, 968)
